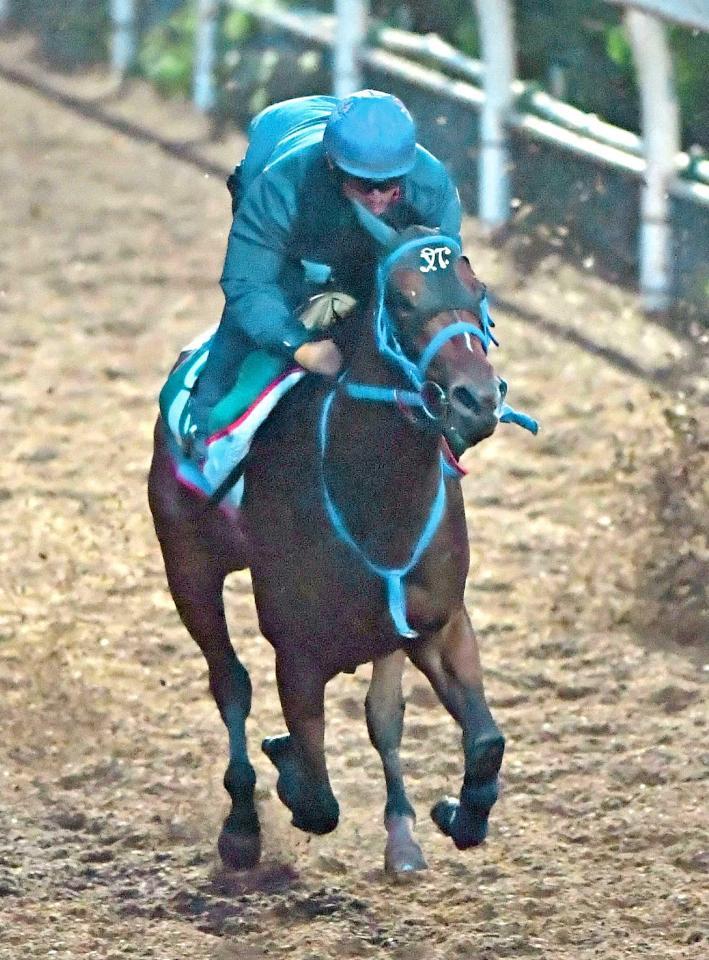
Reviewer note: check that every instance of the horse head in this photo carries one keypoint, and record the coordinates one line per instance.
(431, 321)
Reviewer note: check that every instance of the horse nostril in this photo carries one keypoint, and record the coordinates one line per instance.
(465, 400)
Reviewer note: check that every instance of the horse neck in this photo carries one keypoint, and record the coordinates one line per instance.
(382, 471)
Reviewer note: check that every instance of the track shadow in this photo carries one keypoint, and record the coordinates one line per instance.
(95, 110)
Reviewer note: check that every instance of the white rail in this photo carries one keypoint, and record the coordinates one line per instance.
(661, 135)
(566, 127)
(489, 87)
(123, 41)
(498, 46)
(352, 17)
(204, 92)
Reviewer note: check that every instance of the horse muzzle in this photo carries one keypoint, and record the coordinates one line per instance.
(472, 413)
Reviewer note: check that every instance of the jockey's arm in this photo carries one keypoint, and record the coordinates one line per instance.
(256, 273)
(257, 270)
(451, 216)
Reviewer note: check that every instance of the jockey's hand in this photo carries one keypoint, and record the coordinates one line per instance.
(319, 356)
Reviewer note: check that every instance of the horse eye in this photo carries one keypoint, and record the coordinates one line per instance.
(401, 299)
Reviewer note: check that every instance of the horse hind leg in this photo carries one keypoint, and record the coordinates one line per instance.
(385, 720)
(197, 586)
(451, 662)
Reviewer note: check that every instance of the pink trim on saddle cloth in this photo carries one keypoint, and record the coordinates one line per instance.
(228, 446)
(262, 396)
(229, 510)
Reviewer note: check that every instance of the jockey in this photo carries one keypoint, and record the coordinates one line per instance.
(296, 250)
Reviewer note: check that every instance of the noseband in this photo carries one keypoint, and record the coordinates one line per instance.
(425, 394)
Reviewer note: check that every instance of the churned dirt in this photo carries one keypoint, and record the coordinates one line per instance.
(112, 751)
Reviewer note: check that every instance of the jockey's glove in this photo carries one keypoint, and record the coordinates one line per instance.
(325, 309)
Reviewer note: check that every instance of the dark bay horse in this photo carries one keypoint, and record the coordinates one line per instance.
(353, 527)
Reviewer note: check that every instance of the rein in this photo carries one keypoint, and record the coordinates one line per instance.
(389, 347)
(392, 576)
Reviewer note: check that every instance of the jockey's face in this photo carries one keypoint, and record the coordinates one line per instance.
(375, 195)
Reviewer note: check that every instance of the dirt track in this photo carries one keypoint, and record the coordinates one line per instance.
(113, 752)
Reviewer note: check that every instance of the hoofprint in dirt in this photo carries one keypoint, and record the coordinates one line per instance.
(113, 752)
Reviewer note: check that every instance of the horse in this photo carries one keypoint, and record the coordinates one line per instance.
(354, 530)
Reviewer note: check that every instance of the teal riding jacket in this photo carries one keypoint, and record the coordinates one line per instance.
(295, 234)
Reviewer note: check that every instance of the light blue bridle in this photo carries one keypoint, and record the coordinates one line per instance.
(389, 347)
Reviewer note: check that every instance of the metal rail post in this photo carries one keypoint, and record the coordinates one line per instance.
(123, 41)
(350, 35)
(498, 53)
(204, 92)
(661, 138)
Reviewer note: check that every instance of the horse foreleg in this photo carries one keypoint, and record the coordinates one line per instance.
(451, 661)
(299, 756)
(196, 586)
(385, 722)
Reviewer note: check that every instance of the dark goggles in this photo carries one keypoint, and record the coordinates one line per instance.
(364, 184)
(369, 186)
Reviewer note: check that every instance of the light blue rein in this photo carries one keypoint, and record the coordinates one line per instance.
(389, 347)
(392, 576)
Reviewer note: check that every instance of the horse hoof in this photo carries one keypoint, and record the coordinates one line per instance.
(402, 864)
(314, 808)
(464, 828)
(315, 821)
(239, 851)
(403, 857)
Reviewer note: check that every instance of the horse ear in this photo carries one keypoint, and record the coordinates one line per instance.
(385, 235)
(468, 277)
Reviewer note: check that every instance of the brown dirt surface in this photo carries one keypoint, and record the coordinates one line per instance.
(112, 751)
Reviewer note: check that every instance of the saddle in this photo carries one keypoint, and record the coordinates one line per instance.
(263, 380)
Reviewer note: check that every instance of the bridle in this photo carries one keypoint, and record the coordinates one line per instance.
(423, 394)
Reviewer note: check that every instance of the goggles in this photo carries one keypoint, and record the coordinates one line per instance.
(369, 186)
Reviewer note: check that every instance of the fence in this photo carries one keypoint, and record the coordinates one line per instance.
(520, 134)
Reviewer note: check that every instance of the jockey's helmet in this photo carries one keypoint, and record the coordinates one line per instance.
(371, 135)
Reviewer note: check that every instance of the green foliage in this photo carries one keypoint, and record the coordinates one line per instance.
(236, 26)
(618, 47)
(466, 38)
(167, 50)
(166, 55)
(690, 50)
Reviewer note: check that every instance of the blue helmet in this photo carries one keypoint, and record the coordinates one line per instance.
(371, 135)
